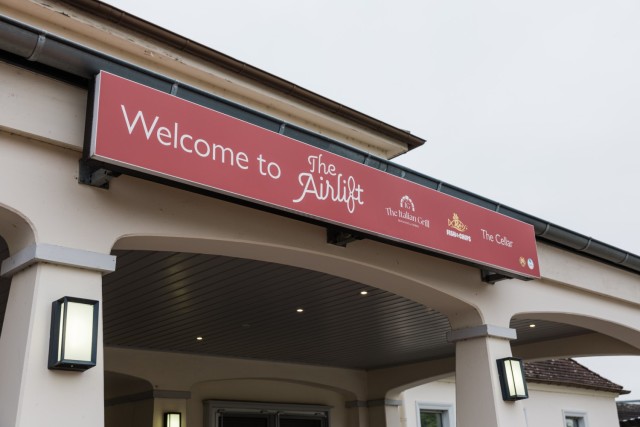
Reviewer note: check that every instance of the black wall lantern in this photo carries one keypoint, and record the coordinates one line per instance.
(73, 341)
(512, 379)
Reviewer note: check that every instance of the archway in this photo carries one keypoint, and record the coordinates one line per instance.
(15, 234)
(242, 300)
(129, 400)
(574, 334)
(5, 283)
(240, 307)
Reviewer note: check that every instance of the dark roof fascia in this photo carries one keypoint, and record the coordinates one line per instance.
(33, 48)
(578, 385)
(188, 46)
(628, 411)
(569, 373)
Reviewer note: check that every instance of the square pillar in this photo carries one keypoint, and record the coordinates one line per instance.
(478, 394)
(384, 412)
(357, 413)
(31, 394)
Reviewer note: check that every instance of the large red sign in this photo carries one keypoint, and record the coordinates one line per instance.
(142, 129)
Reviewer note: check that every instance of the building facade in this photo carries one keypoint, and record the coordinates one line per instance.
(561, 392)
(228, 309)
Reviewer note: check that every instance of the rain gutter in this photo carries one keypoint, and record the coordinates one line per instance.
(48, 54)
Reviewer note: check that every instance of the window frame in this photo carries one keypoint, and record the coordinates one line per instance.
(580, 415)
(445, 409)
(212, 408)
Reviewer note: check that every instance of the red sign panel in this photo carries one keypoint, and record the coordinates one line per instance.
(146, 130)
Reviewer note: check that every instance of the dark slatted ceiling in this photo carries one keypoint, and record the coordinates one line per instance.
(543, 330)
(246, 308)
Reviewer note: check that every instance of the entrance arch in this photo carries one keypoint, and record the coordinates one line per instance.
(374, 269)
(129, 400)
(172, 297)
(16, 233)
(15, 230)
(248, 292)
(5, 282)
(577, 334)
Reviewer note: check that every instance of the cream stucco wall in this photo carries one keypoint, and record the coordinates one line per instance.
(219, 378)
(164, 212)
(129, 414)
(272, 391)
(137, 214)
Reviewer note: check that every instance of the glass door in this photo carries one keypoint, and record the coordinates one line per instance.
(243, 420)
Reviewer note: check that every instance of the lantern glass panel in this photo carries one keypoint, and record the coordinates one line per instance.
(512, 379)
(172, 419)
(516, 369)
(79, 335)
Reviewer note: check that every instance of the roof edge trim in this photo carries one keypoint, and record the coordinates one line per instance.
(148, 29)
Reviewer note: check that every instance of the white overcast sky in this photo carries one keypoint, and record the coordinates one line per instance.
(535, 105)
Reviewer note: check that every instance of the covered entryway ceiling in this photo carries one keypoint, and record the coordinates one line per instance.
(246, 308)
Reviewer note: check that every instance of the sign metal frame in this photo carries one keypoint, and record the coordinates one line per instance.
(147, 133)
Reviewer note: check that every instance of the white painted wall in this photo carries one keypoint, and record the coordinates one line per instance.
(544, 408)
(439, 395)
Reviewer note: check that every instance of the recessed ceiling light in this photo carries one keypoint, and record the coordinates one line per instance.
(364, 292)
(300, 310)
(199, 338)
(533, 325)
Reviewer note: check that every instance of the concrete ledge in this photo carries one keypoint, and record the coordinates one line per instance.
(383, 402)
(57, 255)
(356, 404)
(152, 394)
(482, 331)
(372, 403)
(59, 107)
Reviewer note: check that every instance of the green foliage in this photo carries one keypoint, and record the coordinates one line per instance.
(430, 419)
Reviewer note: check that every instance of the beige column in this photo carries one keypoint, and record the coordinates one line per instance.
(357, 413)
(31, 395)
(478, 395)
(384, 413)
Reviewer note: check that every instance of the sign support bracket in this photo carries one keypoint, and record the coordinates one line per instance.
(340, 237)
(94, 175)
(491, 277)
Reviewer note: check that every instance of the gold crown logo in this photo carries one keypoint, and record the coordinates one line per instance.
(457, 224)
